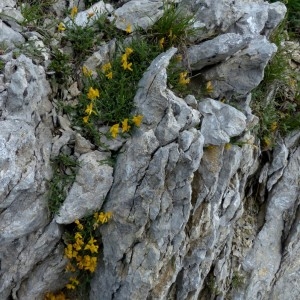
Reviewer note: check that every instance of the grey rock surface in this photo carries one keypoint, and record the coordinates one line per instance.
(198, 211)
(138, 13)
(215, 50)
(230, 77)
(88, 192)
(220, 122)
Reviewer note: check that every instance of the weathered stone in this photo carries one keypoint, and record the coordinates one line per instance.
(243, 72)
(138, 13)
(10, 37)
(87, 193)
(88, 17)
(215, 50)
(220, 122)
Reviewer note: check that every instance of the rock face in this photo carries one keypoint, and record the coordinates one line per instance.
(198, 213)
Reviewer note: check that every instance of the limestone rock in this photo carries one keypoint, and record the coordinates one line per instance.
(220, 122)
(10, 37)
(138, 13)
(88, 193)
(215, 50)
(88, 17)
(243, 72)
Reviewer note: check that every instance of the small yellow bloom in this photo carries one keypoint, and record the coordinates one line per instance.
(86, 119)
(70, 286)
(124, 57)
(93, 93)
(128, 28)
(125, 125)
(161, 43)
(109, 75)
(178, 57)
(114, 130)
(70, 268)
(106, 67)
(74, 281)
(209, 87)
(78, 236)
(93, 248)
(128, 51)
(61, 27)
(74, 12)
(69, 251)
(137, 120)
(86, 72)
(79, 225)
(183, 80)
(89, 109)
(127, 66)
(273, 126)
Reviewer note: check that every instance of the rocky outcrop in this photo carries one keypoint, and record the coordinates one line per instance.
(198, 211)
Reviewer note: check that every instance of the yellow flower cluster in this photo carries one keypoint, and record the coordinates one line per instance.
(128, 28)
(209, 87)
(82, 250)
(107, 70)
(74, 12)
(73, 283)
(183, 80)
(101, 218)
(52, 296)
(126, 125)
(92, 95)
(124, 59)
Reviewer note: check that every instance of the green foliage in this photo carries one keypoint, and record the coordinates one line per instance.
(237, 280)
(61, 65)
(2, 65)
(83, 39)
(64, 171)
(174, 27)
(34, 11)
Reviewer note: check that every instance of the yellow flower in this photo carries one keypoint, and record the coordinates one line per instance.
(74, 12)
(78, 236)
(209, 87)
(86, 72)
(114, 130)
(273, 126)
(79, 225)
(178, 57)
(128, 51)
(127, 66)
(161, 43)
(103, 217)
(109, 75)
(93, 93)
(124, 57)
(70, 286)
(74, 281)
(137, 120)
(227, 146)
(106, 67)
(128, 28)
(93, 248)
(61, 27)
(125, 125)
(183, 80)
(89, 109)
(86, 119)
(69, 251)
(70, 268)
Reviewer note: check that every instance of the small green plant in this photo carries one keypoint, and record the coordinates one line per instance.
(237, 280)
(174, 28)
(2, 65)
(34, 11)
(61, 65)
(64, 172)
